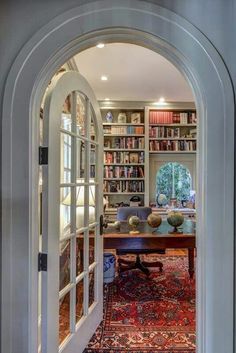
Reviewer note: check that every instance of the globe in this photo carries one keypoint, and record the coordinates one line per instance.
(162, 200)
(134, 222)
(154, 220)
(117, 225)
(175, 219)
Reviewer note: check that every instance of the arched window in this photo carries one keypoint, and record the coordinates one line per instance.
(174, 180)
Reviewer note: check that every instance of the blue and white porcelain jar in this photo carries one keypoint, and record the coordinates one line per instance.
(109, 117)
(109, 267)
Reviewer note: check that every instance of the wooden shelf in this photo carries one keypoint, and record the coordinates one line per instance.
(172, 139)
(125, 164)
(124, 193)
(114, 179)
(123, 124)
(123, 149)
(123, 135)
(173, 125)
(172, 152)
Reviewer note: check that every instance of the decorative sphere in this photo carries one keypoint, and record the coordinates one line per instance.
(117, 225)
(162, 200)
(134, 221)
(154, 220)
(175, 218)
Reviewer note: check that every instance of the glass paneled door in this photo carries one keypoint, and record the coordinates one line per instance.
(72, 205)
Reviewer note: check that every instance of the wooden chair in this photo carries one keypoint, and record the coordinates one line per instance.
(123, 214)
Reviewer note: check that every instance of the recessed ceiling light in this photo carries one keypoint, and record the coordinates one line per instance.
(100, 45)
(161, 101)
(104, 78)
(107, 99)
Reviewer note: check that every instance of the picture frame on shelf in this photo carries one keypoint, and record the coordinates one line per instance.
(122, 118)
(133, 157)
(135, 118)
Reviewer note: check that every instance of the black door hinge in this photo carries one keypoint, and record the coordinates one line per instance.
(43, 155)
(42, 262)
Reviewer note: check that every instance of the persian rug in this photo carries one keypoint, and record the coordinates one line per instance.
(148, 315)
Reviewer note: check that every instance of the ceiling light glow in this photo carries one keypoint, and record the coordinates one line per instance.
(100, 45)
(161, 101)
(107, 99)
(104, 78)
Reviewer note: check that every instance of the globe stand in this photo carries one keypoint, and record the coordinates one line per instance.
(156, 231)
(134, 231)
(133, 223)
(175, 231)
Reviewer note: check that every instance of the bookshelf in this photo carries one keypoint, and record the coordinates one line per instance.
(133, 133)
(172, 131)
(124, 153)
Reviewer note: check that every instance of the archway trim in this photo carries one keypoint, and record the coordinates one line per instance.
(192, 53)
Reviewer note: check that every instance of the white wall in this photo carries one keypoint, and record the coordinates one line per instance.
(20, 19)
(156, 161)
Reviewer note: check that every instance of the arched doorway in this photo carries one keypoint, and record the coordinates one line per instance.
(162, 31)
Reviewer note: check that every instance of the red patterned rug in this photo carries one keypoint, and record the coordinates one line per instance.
(148, 315)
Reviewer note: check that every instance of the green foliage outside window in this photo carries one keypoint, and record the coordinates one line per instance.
(177, 175)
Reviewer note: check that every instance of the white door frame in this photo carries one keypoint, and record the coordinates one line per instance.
(192, 53)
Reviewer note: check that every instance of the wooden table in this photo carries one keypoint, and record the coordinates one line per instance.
(149, 240)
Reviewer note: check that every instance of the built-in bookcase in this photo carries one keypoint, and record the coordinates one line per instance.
(172, 131)
(124, 154)
(133, 131)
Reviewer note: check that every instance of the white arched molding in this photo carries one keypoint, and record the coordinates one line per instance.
(191, 52)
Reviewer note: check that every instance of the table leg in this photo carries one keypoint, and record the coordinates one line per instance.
(191, 262)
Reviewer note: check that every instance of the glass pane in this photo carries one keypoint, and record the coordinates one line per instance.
(66, 114)
(79, 300)
(81, 160)
(64, 317)
(65, 211)
(93, 158)
(93, 134)
(80, 214)
(92, 202)
(91, 288)
(174, 182)
(80, 221)
(91, 246)
(64, 263)
(66, 158)
(79, 253)
(81, 114)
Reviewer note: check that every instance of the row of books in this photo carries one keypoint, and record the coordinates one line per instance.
(123, 172)
(163, 131)
(172, 145)
(168, 117)
(124, 186)
(124, 130)
(123, 157)
(125, 142)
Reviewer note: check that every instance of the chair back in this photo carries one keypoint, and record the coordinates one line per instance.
(123, 213)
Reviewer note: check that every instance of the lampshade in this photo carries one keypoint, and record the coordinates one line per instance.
(80, 195)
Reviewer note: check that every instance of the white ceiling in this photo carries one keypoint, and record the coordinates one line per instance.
(134, 74)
